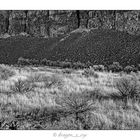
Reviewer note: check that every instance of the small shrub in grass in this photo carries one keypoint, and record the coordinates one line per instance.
(115, 67)
(67, 71)
(36, 78)
(95, 67)
(78, 105)
(49, 81)
(22, 61)
(44, 61)
(5, 72)
(21, 86)
(135, 69)
(49, 62)
(88, 64)
(90, 72)
(78, 65)
(128, 89)
(98, 67)
(34, 62)
(53, 80)
(129, 69)
(65, 64)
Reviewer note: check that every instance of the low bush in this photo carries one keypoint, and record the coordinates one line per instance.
(35, 77)
(89, 64)
(115, 67)
(44, 61)
(53, 80)
(22, 61)
(78, 105)
(65, 64)
(21, 86)
(129, 69)
(67, 71)
(90, 72)
(128, 88)
(5, 72)
(98, 67)
(78, 65)
(34, 62)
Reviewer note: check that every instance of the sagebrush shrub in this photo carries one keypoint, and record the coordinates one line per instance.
(34, 62)
(44, 61)
(36, 77)
(78, 65)
(48, 81)
(76, 104)
(67, 71)
(98, 67)
(21, 86)
(115, 67)
(128, 88)
(53, 80)
(22, 61)
(90, 72)
(129, 69)
(65, 64)
(5, 72)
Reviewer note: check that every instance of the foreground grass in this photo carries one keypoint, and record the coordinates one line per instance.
(46, 98)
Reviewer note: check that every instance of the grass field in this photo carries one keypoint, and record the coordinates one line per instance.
(58, 99)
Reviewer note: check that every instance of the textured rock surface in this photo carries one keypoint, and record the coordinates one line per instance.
(57, 22)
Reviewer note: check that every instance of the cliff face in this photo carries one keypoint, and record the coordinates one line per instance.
(57, 22)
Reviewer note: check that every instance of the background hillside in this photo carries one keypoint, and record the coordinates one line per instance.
(98, 47)
(95, 45)
(98, 36)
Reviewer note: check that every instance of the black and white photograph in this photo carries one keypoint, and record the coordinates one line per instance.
(70, 69)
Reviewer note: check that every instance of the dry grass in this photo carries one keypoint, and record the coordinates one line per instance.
(58, 99)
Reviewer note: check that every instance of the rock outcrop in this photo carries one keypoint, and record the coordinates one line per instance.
(50, 23)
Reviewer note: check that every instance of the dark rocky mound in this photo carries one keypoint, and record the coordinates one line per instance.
(28, 47)
(98, 47)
